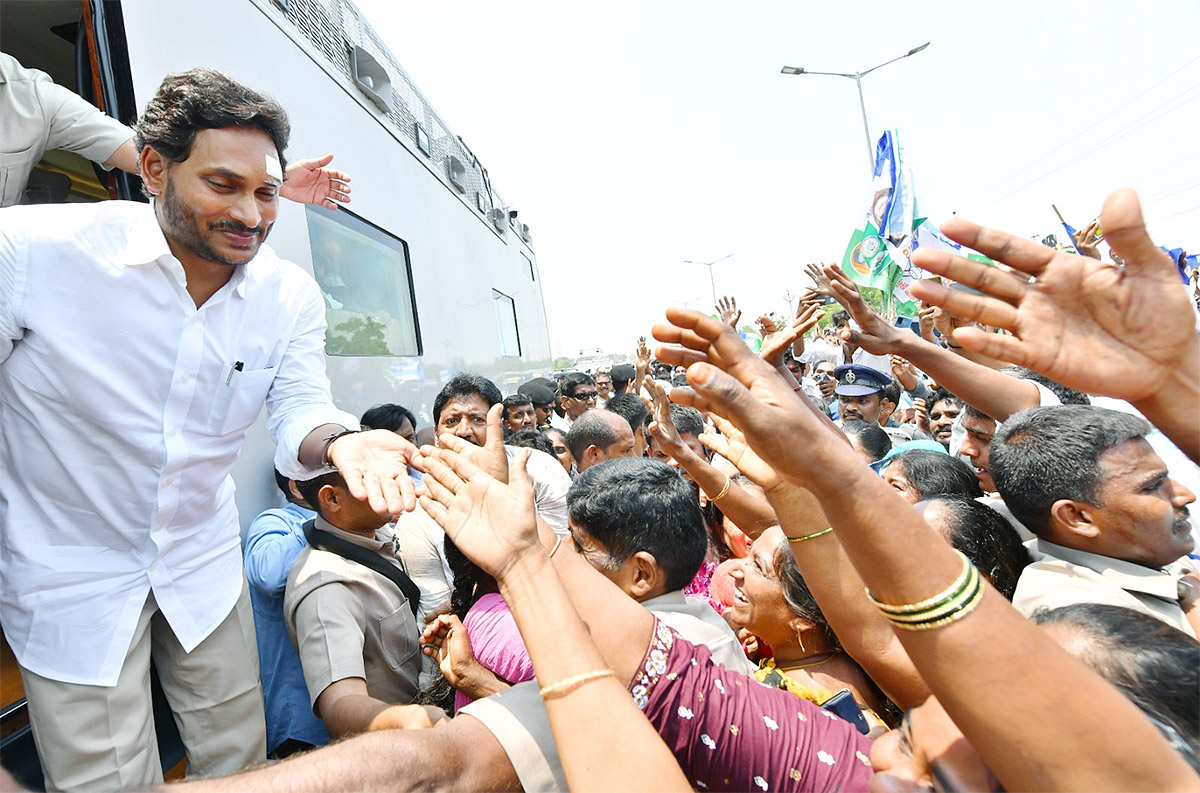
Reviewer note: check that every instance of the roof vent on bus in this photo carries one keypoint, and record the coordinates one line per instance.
(498, 216)
(457, 173)
(371, 78)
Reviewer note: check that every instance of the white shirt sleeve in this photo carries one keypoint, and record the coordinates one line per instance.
(299, 400)
(12, 286)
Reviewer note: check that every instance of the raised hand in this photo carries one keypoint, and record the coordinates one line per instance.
(375, 466)
(728, 310)
(821, 282)
(310, 182)
(491, 457)
(921, 416)
(641, 362)
(731, 444)
(661, 425)
(491, 522)
(752, 395)
(777, 340)
(1090, 325)
(925, 316)
(1087, 242)
(902, 370)
(875, 335)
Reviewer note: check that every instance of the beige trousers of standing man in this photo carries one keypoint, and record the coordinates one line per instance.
(101, 738)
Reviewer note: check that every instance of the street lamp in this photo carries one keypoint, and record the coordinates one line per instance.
(709, 265)
(857, 77)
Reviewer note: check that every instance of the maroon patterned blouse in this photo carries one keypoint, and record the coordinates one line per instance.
(729, 732)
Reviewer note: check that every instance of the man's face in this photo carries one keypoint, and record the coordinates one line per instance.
(977, 446)
(581, 400)
(542, 413)
(623, 447)
(796, 368)
(1142, 514)
(220, 203)
(861, 408)
(465, 417)
(519, 417)
(604, 385)
(825, 379)
(941, 420)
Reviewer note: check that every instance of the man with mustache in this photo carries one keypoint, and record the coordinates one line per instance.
(1112, 526)
(138, 343)
(860, 394)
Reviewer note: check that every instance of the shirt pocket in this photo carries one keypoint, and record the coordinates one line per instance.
(239, 399)
(14, 170)
(398, 636)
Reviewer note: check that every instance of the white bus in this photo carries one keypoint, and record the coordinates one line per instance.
(428, 271)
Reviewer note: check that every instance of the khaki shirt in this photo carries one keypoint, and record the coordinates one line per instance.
(1061, 576)
(36, 115)
(517, 717)
(346, 620)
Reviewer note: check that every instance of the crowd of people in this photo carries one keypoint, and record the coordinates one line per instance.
(953, 556)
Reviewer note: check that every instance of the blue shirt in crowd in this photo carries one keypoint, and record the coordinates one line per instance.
(273, 542)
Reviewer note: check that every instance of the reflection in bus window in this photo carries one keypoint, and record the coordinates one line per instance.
(506, 320)
(365, 278)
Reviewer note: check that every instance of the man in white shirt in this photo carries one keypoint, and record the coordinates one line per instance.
(137, 345)
(1112, 526)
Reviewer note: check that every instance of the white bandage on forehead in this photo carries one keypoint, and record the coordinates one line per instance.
(274, 169)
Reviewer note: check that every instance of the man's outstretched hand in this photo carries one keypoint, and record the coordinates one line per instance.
(310, 182)
(1100, 328)
(375, 466)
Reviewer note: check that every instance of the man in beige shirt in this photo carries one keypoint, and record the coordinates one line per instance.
(353, 624)
(1112, 526)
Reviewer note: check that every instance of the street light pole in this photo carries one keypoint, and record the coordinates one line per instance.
(712, 283)
(857, 77)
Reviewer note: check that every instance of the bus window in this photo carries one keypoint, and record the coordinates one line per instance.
(366, 280)
(506, 320)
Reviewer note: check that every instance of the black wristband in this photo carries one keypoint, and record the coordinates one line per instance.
(329, 442)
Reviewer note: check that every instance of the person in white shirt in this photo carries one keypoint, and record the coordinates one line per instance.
(138, 343)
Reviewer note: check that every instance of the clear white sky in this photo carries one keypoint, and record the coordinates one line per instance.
(632, 136)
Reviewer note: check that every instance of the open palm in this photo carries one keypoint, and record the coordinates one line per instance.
(1093, 326)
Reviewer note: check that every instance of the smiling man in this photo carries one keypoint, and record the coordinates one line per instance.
(162, 329)
(1112, 526)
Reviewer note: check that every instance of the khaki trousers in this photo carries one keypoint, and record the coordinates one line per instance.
(99, 738)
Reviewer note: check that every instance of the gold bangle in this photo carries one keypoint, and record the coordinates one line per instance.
(966, 609)
(812, 536)
(724, 491)
(952, 605)
(574, 682)
(557, 542)
(931, 602)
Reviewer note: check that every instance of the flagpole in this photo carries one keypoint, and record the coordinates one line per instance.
(866, 129)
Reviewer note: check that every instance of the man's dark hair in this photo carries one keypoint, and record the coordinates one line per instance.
(465, 384)
(572, 382)
(839, 319)
(984, 536)
(942, 395)
(590, 429)
(891, 392)
(638, 504)
(622, 374)
(628, 407)
(309, 488)
(531, 438)
(1153, 664)
(872, 437)
(281, 482)
(935, 474)
(200, 99)
(1045, 454)
(687, 420)
(388, 416)
(515, 401)
(1067, 396)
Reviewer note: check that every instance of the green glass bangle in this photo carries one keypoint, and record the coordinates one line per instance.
(932, 602)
